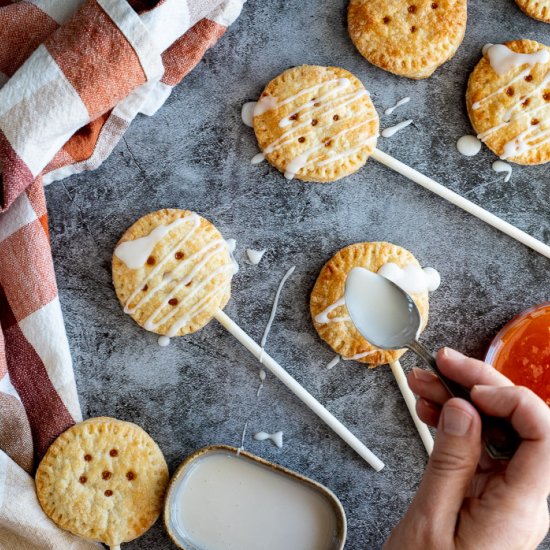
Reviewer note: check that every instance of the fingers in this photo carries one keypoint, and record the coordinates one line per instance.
(452, 464)
(529, 469)
(468, 371)
(428, 412)
(427, 385)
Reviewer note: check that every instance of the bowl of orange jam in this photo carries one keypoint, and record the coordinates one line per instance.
(521, 350)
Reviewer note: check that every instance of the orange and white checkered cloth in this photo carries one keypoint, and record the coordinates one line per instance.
(73, 75)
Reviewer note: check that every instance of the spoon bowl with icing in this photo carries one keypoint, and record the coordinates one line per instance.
(388, 318)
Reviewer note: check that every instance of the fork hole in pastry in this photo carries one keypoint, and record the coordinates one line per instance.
(145, 288)
(535, 121)
(314, 122)
(412, 8)
(526, 102)
(413, 29)
(510, 91)
(528, 78)
(301, 139)
(106, 475)
(335, 117)
(386, 19)
(108, 493)
(150, 260)
(179, 255)
(87, 457)
(546, 96)
(173, 301)
(82, 479)
(130, 475)
(435, 5)
(113, 452)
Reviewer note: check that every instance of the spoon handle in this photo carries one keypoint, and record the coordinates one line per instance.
(500, 438)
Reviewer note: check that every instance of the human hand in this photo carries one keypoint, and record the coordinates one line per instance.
(467, 500)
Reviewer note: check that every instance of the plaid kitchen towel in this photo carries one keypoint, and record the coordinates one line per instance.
(73, 75)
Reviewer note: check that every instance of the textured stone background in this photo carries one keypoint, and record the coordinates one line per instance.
(195, 154)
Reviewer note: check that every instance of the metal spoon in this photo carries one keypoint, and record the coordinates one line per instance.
(388, 318)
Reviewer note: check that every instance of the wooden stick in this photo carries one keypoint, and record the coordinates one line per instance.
(461, 202)
(410, 400)
(299, 391)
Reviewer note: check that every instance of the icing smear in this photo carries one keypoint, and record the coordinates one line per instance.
(276, 438)
(469, 146)
(502, 58)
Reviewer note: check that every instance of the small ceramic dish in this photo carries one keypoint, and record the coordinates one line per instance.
(221, 497)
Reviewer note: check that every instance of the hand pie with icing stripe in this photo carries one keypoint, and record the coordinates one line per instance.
(407, 37)
(316, 123)
(508, 101)
(537, 9)
(172, 271)
(103, 479)
(328, 310)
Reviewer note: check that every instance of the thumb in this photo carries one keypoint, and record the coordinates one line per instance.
(452, 464)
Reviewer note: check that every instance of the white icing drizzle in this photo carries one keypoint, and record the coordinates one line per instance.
(241, 448)
(323, 317)
(247, 113)
(163, 341)
(469, 146)
(183, 275)
(361, 355)
(255, 256)
(500, 166)
(319, 107)
(135, 253)
(411, 278)
(403, 101)
(276, 438)
(274, 308)
(262, 374)
(331, 364)
(392, 130)
(502, 58)
(535, 135)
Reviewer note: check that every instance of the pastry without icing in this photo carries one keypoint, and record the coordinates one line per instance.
(537, 9)
(104, 480)
(172, 271)
(328, 309)
(316, 123)
(407, 37)
(508, 101)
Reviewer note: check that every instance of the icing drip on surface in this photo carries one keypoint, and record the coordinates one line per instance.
(276, 438)
(255, 256)
(135, 253)
(392, 130)
(163, 341)
(241, 448)
(500, 166)
(247, 113)
(469, 146)
(502, 58)
(411, 278)
(403, 101)
(333, 362)
(536, 130)
(274, 307)
(184, 274)
(323, 317)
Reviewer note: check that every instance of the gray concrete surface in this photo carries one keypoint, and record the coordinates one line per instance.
(195, 154)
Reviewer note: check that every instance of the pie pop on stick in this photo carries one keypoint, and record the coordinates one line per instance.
(319, 124)
(333, 323)
(172, 273)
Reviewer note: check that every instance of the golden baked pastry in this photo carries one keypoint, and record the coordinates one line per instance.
(328, 310)
(537, 9)
(407, 37)
(316, 123)
(104, 480)
(510, 111)
(172, 271)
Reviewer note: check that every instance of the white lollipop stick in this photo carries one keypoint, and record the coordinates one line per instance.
(298, 390)
(410, 400)
(461, 202)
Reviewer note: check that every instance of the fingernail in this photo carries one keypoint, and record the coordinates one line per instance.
(479, 388)
(451, 353)
(456, 421)
(423, 375)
